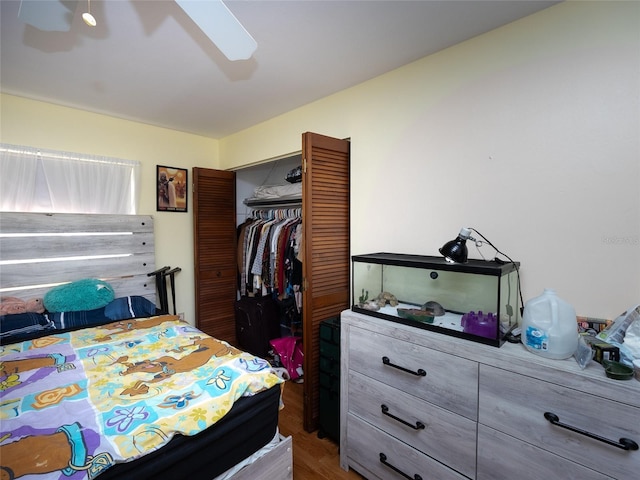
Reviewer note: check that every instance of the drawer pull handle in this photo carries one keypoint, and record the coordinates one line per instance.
(419, 373)
(383, 460)
(623, 443)
(417, 426)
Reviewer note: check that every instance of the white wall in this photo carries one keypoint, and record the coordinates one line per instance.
(529, 133)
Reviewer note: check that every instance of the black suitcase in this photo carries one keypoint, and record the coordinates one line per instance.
(257, 322)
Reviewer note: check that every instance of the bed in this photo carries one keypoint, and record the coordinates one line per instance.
(130, 394)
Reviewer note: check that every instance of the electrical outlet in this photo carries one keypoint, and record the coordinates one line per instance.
(181, 316)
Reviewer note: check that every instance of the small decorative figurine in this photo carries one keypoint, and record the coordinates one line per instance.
(426, 314)
(364, 302)
(363, 298)
(386, 297)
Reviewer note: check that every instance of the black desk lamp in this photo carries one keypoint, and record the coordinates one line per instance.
(455, 251)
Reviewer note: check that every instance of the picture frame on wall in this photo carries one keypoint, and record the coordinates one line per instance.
(172, 189)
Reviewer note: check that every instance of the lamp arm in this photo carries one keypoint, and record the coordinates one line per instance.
(488, 243)
(504, 255)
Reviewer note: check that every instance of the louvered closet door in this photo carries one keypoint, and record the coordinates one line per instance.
(214, 223)
(326, 264)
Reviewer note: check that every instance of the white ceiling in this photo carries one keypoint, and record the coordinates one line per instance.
(147, 61)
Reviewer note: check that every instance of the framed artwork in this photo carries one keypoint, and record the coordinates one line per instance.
(172, 189)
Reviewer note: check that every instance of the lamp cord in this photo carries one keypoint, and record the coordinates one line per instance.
(512, 262)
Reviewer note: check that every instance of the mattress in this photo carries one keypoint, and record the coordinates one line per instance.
(251, 424)
(140, 398)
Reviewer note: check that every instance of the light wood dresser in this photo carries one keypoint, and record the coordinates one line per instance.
(421, 405)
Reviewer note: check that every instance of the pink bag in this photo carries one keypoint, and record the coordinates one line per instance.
(289, 349)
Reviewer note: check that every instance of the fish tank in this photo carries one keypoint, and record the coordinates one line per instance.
(478, 300)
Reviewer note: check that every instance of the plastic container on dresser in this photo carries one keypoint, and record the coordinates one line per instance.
(549, 326)
(419, 404)
(478, 300)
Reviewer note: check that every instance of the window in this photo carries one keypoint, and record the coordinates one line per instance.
(36, 180)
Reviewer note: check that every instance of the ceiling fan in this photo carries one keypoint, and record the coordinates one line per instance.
(211, 16)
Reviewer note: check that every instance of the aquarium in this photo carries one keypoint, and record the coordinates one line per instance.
(478, 300)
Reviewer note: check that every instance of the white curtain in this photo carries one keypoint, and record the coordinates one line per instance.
(35, 180)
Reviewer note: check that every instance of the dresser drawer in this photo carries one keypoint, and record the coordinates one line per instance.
(501, 457)
(515, 404)
(445, 436)
(445, 380)
(369, 447)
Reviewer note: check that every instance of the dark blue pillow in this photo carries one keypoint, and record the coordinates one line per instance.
(16, 327)
(25, 326)
(74, 320)
(129, 307)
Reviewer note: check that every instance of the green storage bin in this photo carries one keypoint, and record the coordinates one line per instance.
(329, 394)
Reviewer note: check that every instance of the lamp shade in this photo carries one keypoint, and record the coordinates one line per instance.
(455, 251)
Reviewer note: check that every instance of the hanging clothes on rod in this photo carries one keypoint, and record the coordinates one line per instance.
(277, 213)
(270, 261)
(269, 253)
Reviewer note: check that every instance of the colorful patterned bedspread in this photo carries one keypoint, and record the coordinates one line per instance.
(73, 404)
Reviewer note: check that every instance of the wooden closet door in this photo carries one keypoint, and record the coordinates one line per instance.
(214, 224)
(326, 261)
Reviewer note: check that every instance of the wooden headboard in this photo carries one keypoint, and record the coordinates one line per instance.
(42, 250)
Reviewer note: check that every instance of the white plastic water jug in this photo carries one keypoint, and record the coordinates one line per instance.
(549, 326)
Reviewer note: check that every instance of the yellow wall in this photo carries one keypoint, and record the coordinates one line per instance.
(47, 126)
(528, 133)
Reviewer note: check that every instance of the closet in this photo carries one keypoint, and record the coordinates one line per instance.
(325, 251)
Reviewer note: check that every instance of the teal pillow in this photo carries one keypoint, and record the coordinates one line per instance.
(87, 294)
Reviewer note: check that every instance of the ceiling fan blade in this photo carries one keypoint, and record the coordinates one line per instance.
(48, 15)
(221, 26)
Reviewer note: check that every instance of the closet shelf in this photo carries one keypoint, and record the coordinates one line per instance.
(274, 203)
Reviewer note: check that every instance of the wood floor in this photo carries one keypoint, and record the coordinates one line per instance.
(313, 458)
